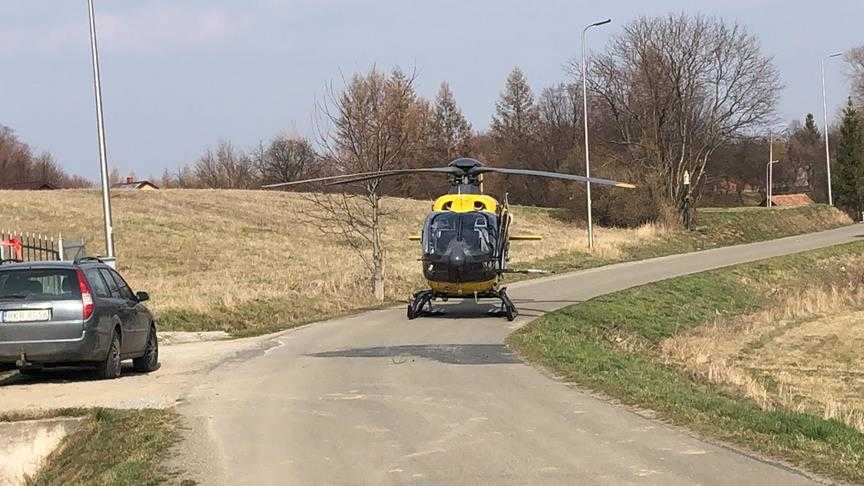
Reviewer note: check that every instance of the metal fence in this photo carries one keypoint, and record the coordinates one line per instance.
(30, 247)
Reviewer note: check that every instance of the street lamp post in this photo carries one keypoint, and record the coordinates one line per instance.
(825, 113)
(769, 174)
(585, 122)
(103, 151)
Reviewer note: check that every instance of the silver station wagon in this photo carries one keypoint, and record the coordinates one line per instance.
(80, 313)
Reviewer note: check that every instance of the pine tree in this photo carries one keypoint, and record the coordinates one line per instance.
(450, 132)
(848, 176)
(515, 114)
(810, 133)
(514, 137)
(806, 158)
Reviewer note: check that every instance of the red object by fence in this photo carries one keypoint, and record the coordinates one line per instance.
(16, 245)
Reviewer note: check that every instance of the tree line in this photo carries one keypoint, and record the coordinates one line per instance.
(22, 168)
(667, 95)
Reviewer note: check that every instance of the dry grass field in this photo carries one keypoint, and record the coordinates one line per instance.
(245, 260)
(802, 353)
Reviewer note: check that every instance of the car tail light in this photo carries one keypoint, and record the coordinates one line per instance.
(86, 294)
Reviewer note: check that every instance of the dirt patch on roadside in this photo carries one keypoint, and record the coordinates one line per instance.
(25, 444)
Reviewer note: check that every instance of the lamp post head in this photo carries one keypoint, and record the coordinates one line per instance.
(596, 24)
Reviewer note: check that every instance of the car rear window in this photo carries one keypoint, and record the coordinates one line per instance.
(39, 284)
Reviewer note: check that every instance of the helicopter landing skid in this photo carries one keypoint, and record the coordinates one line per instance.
(508, 308)
(420, 304)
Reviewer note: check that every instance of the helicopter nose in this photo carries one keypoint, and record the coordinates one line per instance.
(457, 257)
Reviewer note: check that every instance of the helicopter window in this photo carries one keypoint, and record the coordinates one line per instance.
(443, 228)
(479, 231)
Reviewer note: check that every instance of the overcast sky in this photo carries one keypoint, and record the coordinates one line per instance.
(179, 75)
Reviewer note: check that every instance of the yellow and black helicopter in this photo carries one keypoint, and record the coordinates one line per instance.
(466, 238)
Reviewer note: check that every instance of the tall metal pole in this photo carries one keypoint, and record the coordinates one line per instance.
(103, 151)
(770, 170)
(825, 113)
(585, 122)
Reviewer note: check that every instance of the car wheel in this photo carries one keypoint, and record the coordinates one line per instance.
(110, 367)
(150, 361)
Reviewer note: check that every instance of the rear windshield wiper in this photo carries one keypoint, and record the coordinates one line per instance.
(14, 296)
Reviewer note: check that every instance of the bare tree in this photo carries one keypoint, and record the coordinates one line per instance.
(559, 124)
(444, 135)
(737, 166)
(284, 159)
(185, 177)
(21, 168)
(677, 88)
(373, 125)
(207, 170)
(856, 60)
(226, 168)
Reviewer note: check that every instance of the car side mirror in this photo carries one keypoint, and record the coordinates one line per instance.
(142, 296)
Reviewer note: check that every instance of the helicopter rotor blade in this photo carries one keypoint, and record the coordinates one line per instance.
(310, 181)
(552, 175)
(397, 172)
(362, 176)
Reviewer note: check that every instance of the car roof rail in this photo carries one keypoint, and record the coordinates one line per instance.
(88, 259)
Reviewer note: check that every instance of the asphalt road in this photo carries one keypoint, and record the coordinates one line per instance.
(377, 399)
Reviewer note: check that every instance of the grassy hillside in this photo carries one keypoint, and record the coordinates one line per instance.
(765, 355)
(251, 261)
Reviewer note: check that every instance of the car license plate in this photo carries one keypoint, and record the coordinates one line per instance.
(27, 315)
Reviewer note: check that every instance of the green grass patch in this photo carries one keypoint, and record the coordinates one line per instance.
(610, 344)
(116, 447)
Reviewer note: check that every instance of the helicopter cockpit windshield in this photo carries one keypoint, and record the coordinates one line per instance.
(478, 231)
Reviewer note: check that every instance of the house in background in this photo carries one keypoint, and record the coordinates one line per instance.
(134, 185)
